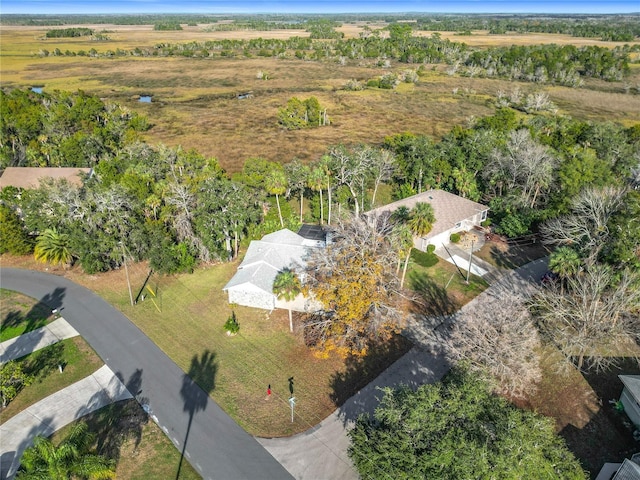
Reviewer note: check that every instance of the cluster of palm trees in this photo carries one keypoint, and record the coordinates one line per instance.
(71, 458)
(410, 223)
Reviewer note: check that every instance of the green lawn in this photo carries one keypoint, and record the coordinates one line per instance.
(21, 314)
(441, 289)
(75, 354)
(186, 322)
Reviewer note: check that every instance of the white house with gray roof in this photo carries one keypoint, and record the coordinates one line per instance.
(453, 214)
(252, 285)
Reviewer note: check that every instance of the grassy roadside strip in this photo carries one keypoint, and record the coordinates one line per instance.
(79, 361)
(21, 314)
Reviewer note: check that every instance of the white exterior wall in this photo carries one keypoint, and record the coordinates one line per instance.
(256, 298)
(437, 240)
(631, 407)
(443, 238)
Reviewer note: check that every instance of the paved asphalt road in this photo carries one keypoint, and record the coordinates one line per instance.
(215, 445)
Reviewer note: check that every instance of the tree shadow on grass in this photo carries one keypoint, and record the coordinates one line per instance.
(197, 384)
(48, 303)
(42, 362)
(36, 317)
(432, 299)
(510, 256)
(113, 423)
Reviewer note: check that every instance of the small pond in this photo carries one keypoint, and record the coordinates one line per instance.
(36, 89)
(145, 99)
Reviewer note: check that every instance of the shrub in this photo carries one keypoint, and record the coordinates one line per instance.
(388, 81)
(424, 259)
(455, 237)
(354, 85)
(431, 248)
(302, 114)
(231, 326)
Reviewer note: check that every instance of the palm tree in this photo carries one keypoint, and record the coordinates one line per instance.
(566, 263)
(286, 286)
(276, 184)
(53, 247)
(415, 222)
(421, 219)
(316, 182)
(403, 238)
(401, 214)
(70, 459)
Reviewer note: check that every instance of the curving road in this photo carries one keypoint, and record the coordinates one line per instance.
(211, 441)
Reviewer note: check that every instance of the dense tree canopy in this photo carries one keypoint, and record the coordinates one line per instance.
(457, 429)
(62, 129)
(354, 279)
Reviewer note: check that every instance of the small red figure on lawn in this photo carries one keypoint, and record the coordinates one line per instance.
(269, 391)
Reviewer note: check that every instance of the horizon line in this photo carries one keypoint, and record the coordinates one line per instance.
(417, 12)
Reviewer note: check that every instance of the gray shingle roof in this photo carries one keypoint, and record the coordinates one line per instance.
(632, 382)
(448, 208)
(266, 257)
(627, 471)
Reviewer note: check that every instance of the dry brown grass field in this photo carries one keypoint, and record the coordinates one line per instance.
(195, 105)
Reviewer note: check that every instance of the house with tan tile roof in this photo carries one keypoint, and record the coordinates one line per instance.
(452, 212)
(30, 177)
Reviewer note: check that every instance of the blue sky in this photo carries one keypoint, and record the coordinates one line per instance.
(317, 6)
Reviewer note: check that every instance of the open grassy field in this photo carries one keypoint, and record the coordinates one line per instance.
(194, 100)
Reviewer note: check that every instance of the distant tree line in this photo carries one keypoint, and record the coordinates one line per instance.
(619, 28)
(259, 25)
(622, 28)
(564, 65)
(69, 32)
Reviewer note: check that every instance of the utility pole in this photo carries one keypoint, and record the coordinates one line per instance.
(470, 259)
(126, 272)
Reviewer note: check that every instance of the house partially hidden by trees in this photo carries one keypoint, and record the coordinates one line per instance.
(252, 285)
(452, 214)
(30, 177)
(630, 397)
